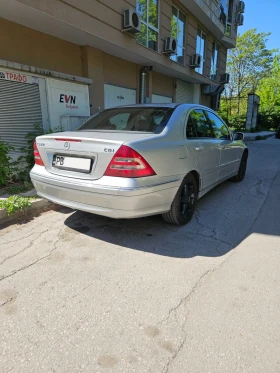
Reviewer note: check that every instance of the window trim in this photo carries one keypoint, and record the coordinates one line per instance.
(185, 35)
(203, 59)
(215, 115)
(148, 25)
(208, 121)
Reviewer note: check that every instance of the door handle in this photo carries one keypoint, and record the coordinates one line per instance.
(199, 148)
(223, 146)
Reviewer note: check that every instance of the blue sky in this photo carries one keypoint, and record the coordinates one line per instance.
(264, 16)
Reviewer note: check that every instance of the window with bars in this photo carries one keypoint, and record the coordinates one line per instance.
(149, 11)
(214, 62)
(200, 49)
(178, 26)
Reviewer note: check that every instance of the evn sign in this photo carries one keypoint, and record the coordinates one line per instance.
(65, 99)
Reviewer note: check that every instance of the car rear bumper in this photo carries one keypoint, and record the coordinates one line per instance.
(113, 202)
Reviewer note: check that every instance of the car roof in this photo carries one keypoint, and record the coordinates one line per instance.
(172, 105)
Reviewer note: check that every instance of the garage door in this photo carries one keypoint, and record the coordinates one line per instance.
(116, 96)
(184, 92)
(20, 110)
(157, 99)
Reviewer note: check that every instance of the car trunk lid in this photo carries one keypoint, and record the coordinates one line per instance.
(82, 154)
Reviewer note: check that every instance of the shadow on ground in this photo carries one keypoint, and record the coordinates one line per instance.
(212, 232)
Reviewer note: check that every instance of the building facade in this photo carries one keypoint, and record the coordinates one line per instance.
(61, 61)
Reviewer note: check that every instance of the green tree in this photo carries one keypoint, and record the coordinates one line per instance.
(269, 92)
(247, 65)
(269, 87)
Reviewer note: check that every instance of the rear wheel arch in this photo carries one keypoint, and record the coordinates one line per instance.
(183, 205)
(197, 179)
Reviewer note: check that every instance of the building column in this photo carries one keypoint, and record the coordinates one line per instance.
(149, 87)
(252, 111)
(93, 68)
(196, 94)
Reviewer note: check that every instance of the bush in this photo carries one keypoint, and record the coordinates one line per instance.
(269, 118)
(237, 122)
(26, 161)
(5, 162)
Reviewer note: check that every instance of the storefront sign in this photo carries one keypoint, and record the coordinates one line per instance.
(18, 77)
(69, 100)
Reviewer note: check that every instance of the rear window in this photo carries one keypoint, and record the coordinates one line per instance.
(140, 119)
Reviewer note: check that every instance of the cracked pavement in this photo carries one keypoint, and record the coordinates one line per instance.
(82, 293)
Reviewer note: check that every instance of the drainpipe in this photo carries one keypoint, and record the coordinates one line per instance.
(143, 82)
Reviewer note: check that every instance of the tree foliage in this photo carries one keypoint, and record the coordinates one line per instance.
(269, 87)
(248, 64)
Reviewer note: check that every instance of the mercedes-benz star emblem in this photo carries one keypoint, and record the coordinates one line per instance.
(67, 145)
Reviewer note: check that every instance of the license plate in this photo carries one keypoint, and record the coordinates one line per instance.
(72, 163)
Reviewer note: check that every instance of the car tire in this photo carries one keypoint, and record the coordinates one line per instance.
(183, 206)
(242, 169)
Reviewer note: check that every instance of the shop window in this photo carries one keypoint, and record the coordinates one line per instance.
(148, 9)
(178, 26)
(201, 49)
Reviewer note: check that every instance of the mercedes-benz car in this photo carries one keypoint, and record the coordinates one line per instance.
(139, 160)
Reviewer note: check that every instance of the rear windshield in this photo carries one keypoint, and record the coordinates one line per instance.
(150, 119)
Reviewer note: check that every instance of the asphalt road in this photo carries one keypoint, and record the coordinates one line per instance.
(82, 293)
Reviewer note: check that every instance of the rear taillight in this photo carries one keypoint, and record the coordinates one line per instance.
(37, 157)
(128, 162)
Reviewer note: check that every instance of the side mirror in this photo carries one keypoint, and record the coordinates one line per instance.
(238, 136)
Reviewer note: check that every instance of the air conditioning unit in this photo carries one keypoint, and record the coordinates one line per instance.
(132, 21)
(239, 20)
(225, 78)
(241, 7)
(170, 46)
(195, 60)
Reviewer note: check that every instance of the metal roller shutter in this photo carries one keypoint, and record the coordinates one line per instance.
(184, 92)
(20, 109)
(158, 99)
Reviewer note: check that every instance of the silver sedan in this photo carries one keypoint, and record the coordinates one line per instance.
(140, 160)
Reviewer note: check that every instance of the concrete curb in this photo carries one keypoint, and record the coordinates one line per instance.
(253, 138)
(36, 205)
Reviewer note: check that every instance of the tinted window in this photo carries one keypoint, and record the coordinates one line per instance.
(198, 125)
(220, 129)
(143, 119)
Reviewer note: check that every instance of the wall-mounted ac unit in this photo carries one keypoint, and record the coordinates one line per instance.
(239, 19)
(195, 60)
(225, 78)
(241, 7)
(132, 21)
(170, 46)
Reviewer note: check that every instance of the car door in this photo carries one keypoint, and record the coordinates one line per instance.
(203, 144)
(229, 149)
